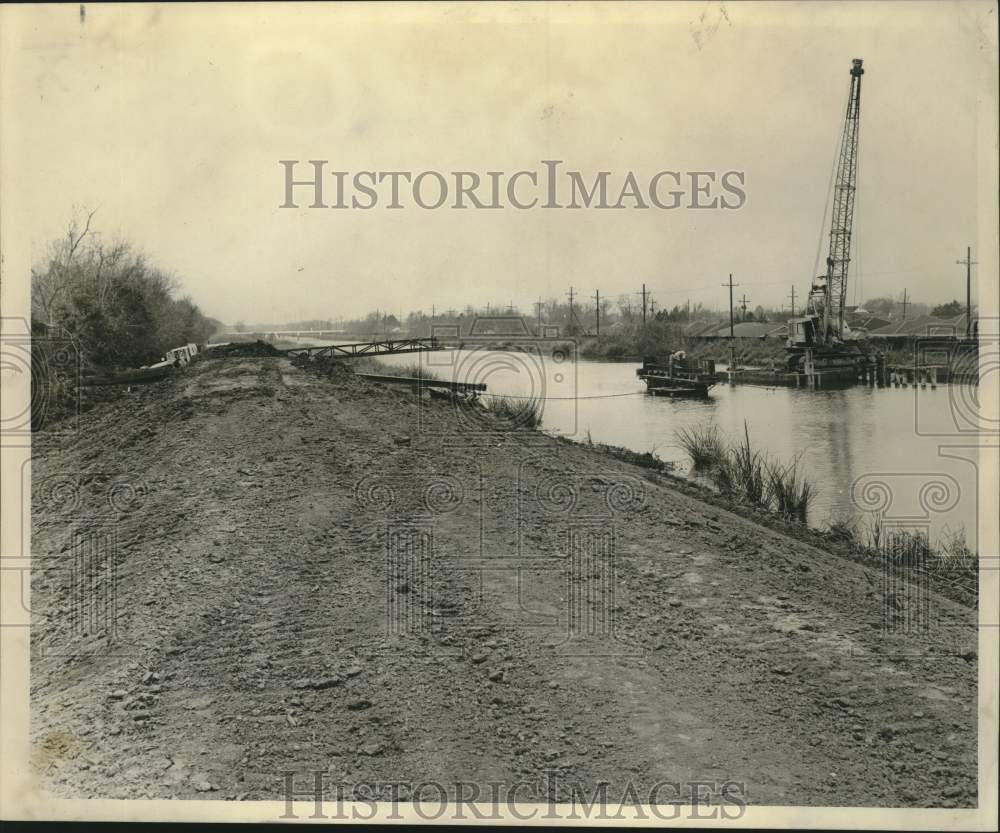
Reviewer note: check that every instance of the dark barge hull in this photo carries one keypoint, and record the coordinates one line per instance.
(668, 387)
(677, 377)
(773, 378)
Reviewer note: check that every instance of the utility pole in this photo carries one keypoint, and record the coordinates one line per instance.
(732, 343)
(743, 307)
(570, 303)
(793, 301)
(538, 315)
(597, 298)
(731, 322)
(644, 293)
(969, 263)
(510, 308)
(904, 304)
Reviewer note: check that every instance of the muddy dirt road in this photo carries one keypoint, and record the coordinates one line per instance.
(316, 574)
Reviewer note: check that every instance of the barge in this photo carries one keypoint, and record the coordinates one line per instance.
(677, 376)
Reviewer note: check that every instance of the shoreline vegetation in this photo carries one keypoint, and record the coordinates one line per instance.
(951, 566)
(744, 480)
(99, 306)
(748, 473)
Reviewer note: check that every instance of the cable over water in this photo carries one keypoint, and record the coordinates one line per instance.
(566, 398)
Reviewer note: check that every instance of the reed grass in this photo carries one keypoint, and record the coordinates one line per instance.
(523, 413)
(704, 445)
(722, 475)
(950, 566)
(746, 473)
(789, 493)
(750, 471)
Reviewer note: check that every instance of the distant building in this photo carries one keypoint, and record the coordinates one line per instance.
(700, 329)
(745, 330)
(923, 326)
(861, 319)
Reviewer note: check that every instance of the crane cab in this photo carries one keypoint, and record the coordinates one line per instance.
(802, 332)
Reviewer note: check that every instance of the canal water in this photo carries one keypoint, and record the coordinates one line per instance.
(909, 453)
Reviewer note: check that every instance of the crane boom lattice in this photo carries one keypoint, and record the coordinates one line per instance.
(839, 258)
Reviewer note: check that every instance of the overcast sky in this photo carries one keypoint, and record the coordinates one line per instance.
(170, 120)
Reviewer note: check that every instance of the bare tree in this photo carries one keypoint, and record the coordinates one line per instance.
(50, 284)
(119, 308)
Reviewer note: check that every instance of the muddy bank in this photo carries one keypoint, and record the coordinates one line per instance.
(310, 573)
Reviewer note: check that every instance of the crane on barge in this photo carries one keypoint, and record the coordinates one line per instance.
(818, 342)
